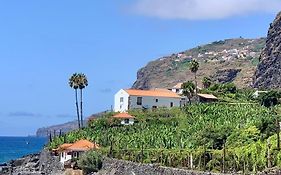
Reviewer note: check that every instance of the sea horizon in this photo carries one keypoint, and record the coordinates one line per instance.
(14, 147)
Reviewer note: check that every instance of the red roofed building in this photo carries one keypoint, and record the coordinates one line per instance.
(69, 151)
(126, 119)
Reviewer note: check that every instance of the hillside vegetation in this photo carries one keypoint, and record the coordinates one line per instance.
(215, 137)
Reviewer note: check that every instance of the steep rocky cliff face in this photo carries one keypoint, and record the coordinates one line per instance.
(231, 60)
(268, 71)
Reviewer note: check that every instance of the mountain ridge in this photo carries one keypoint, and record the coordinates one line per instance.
(240, 55)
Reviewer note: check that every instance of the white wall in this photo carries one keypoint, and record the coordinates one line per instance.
(176, 90)
(64, 157)
(121, 106)
(131, 122)
(149, 102)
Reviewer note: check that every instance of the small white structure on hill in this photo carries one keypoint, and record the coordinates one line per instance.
(145, 99)
(70, 151)
(126, 119)
(177, 88)
(258, 93)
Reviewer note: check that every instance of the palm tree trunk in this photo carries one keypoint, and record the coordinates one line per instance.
(77, 108)
(195, 79)
(81, 106)
(196, 96)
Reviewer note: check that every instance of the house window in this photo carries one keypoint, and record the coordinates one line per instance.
(139, 101)
(171, 104)
(156, 100)
(121, 99)
(126, 121)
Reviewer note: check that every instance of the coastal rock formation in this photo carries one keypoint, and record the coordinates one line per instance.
(231, 54)
(34, 164)
(268, 71)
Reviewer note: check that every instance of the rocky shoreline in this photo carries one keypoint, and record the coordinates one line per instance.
(42, 163)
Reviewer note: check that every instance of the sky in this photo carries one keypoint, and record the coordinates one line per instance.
(42, 43)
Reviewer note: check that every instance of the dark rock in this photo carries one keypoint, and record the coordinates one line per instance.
(225, 75)
(268, 71)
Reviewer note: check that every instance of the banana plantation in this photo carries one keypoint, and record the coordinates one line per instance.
(212, 137)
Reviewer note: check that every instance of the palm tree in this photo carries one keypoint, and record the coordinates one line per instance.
(188, 90)
(82, 83)
(73, 83)
(194, 66)
(206, 82)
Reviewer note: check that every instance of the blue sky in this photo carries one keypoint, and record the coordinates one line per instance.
(43, 42)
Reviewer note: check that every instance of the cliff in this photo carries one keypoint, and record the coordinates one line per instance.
(231, 60)
(268, 71)
(65, 127)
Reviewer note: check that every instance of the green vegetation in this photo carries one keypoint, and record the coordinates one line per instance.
(201, 136)
(206, 82)
(90, 162)
(270, 98)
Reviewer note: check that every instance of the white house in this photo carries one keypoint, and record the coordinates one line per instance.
(177, 88)
(70, 151)
(145, 99)
(126, 119)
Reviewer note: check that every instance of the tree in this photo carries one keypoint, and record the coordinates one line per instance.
(194, 66)
(188, 90)
(74, 83)
(206, 82)
(269, 100)
(82, 83)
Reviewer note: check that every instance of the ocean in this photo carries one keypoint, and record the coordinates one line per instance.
(16, 147)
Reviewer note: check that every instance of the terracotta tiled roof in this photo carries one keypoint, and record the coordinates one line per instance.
(123, 116)
(152, 93)
(82, 145)
(208, 96)
(65, 145)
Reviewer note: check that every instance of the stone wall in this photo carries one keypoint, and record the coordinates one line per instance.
(121, 167)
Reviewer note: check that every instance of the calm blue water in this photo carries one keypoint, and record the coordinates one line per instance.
(16, 147)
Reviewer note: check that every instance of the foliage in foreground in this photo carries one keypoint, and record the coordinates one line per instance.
(90, 162)
(198, 134)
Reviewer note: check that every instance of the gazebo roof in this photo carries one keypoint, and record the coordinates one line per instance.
(123, 115)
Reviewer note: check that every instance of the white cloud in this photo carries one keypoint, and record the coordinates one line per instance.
(204, 9)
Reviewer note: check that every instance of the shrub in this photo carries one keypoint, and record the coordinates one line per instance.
(270, 98)
(90, 162)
